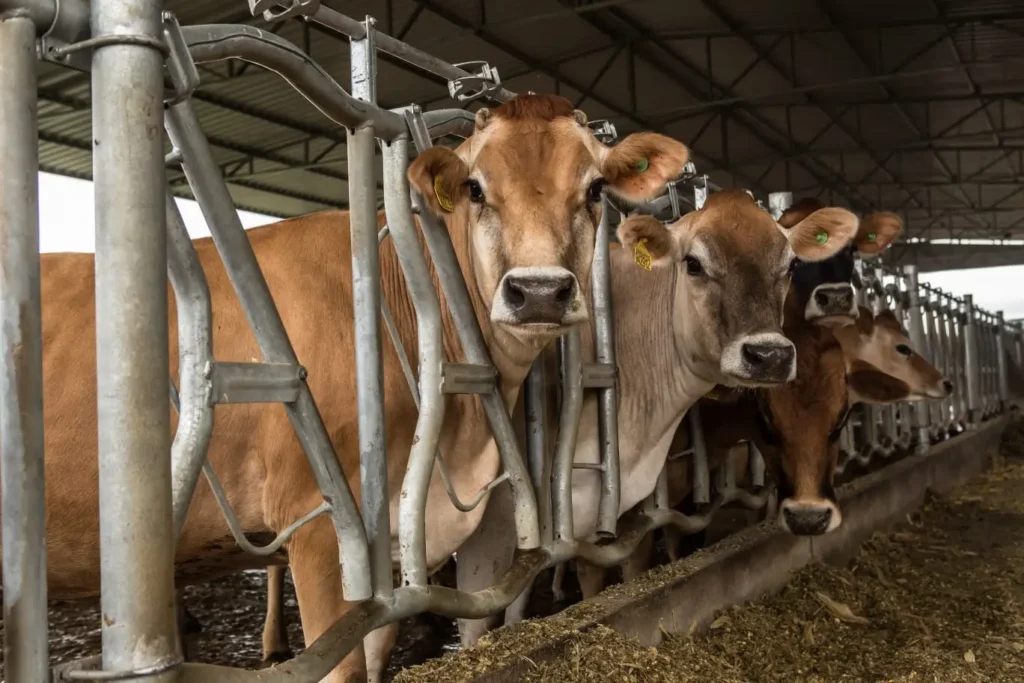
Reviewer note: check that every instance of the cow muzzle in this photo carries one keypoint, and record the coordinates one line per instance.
(832, 305)
(760, 359)
(539, 296)
(809, 518)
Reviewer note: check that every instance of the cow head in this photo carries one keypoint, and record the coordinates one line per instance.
(824, 288)
(882, 364)
(800, 422)
(732, 265)
(522, 199)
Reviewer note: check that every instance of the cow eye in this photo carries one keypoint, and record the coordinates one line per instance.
(792, 266)
(476, 193)
(595, 190)
(693, 266)
(904, 349)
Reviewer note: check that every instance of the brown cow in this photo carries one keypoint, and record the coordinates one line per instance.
(520, 198)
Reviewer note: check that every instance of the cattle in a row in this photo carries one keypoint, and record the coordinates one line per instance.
(521, 199)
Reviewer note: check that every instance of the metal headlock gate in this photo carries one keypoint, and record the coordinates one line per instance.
(127, 44)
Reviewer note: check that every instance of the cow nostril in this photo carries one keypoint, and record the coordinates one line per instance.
(763, 354)
(514, 295)
(821, 299)
(565, 293)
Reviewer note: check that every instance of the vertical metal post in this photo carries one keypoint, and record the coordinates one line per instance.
(26, 651)
(922, 411)
(972, 360)
(535, 413)
(136, 538)
(1018, 344)
(701, 472)
(568, 429)
(362, 191)
(604, 348)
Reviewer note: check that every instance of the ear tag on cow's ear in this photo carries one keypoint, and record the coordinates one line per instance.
(642, 164)
(442, 197)
(872, 237)
(641, 255)
(821, 237)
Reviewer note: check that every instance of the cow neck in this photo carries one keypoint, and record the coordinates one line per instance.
(658, 383)
(511, 357)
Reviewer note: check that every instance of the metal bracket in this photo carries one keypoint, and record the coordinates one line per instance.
(604, 131)
(418, 128)
(275, 10)
(468, 378)
(478, 84)
(700, 192)
(599, 375)
(180, 66)
(778, 202)
(255, 382)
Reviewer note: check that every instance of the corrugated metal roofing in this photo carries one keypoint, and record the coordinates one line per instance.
(915, 105)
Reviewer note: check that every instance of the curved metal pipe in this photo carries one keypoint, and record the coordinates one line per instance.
(216, 42)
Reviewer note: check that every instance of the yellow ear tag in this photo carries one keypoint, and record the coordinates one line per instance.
(821, 237)
(442, 197)
(641, 255)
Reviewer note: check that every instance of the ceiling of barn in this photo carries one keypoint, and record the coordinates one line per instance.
(915, 106)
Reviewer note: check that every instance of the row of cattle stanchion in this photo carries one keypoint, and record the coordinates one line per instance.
(459, 433)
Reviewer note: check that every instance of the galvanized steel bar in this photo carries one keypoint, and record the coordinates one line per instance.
(214, 42)
(250, 286)
(701, 471)
(604, 350)
(136, 530)
(195, 354)
(356, 30)
(26, 649)
(413, 500)
(568, 428)
(535, 414)
(972, 361)
(65, 20)
(366, 298)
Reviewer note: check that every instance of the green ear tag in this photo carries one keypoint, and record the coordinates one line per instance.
(642, 165)
(821, 237)
(871, 237)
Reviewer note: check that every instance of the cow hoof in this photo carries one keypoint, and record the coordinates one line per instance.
(275, 658)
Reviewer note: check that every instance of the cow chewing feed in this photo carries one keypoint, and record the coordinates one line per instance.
(825, 290)
(521, 200)
(709, 311)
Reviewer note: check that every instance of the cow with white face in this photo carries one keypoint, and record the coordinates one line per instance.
(709, 311)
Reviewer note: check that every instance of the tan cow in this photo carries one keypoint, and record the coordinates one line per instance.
(709, 312)
(522, 198)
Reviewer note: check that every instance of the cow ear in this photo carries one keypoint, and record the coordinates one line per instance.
(439, 175)
(640, 166)
(868, 384)
(821, 234)
(877, 231)
(652, 242)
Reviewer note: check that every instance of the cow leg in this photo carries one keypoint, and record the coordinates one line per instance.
(640, 560)
(591, 578)
(275, 628)
(484, 557)
(378, 646)
(313, 559)
(557, 581)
